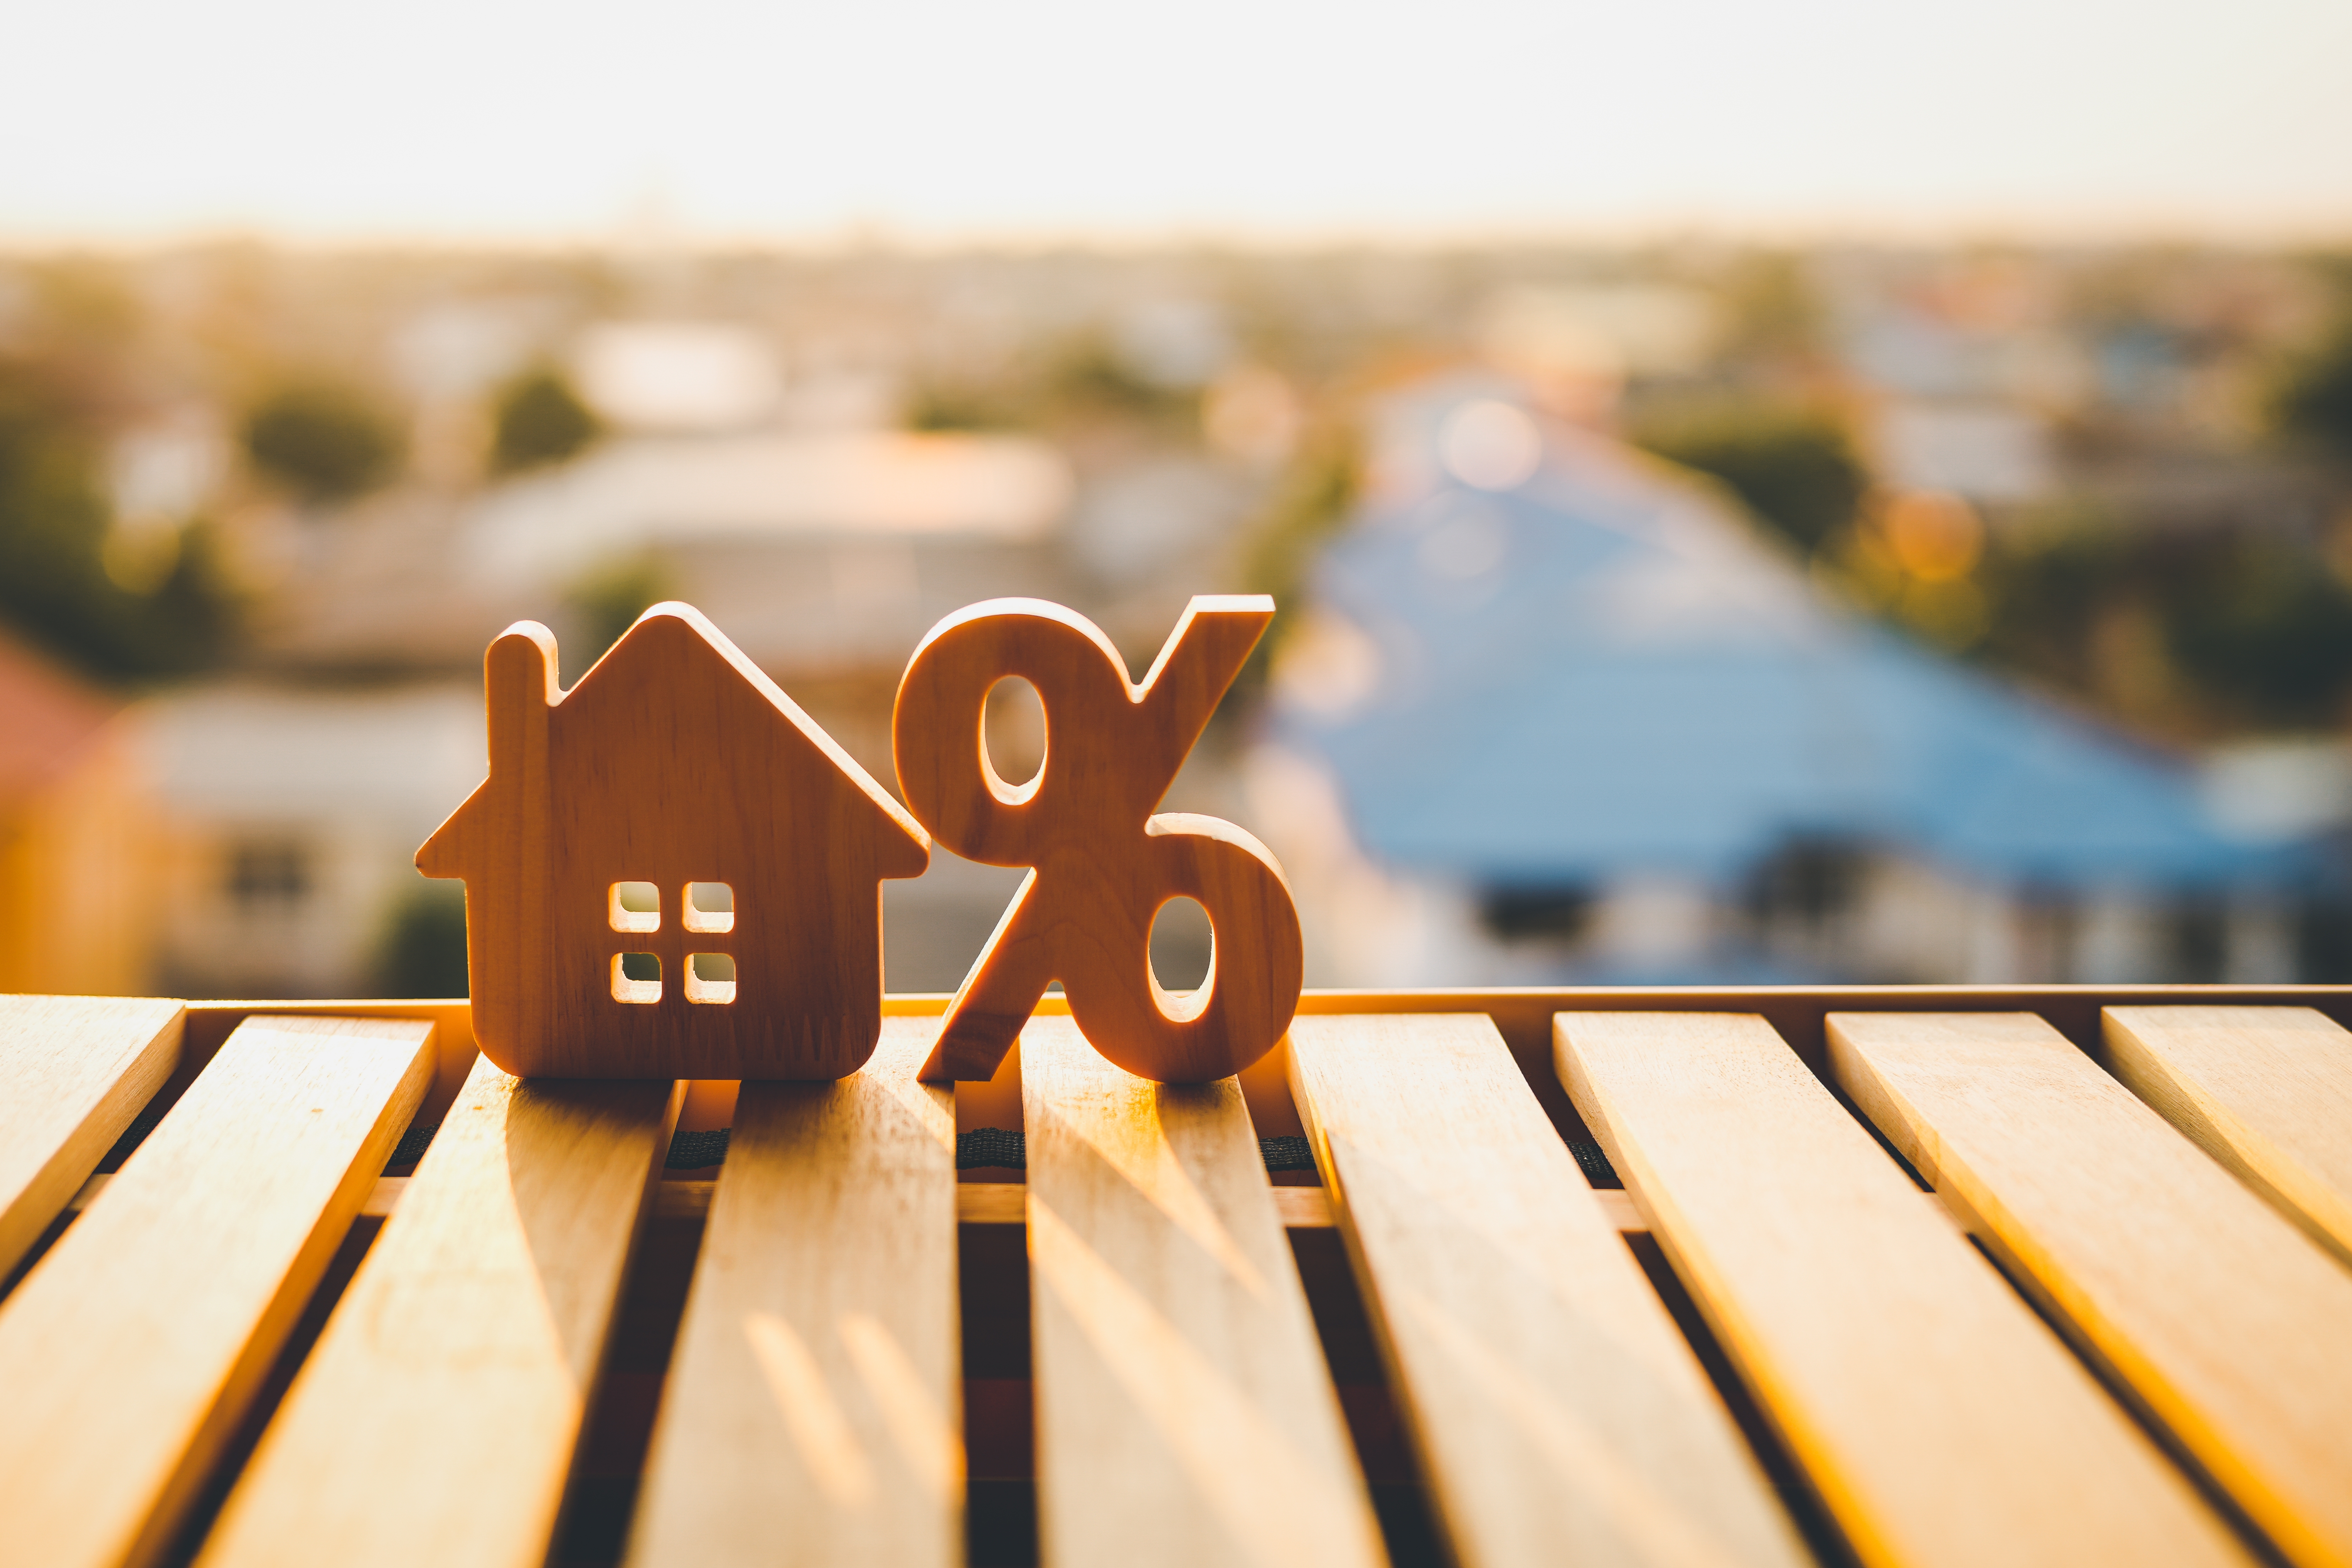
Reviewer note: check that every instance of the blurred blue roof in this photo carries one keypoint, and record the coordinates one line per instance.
(1607, 670)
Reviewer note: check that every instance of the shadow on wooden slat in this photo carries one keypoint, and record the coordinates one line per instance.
(602, 1496)
(206, 1507)
(33, 1254)
(1375, 1424)
(999, 1432)
(1804, 1507)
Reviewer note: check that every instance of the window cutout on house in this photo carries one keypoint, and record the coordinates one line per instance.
(636, 906)
(709, 907)
(710, 977)
(636, 977)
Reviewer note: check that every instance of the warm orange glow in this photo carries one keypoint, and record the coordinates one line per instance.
(1935, 535)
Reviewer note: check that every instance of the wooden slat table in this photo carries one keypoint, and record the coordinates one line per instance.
(1936, 1277)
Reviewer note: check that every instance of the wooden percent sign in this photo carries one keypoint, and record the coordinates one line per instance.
(1101, 865)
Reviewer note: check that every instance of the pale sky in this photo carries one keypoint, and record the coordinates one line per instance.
(524, 119)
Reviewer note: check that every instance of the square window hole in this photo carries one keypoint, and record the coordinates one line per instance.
(710, 907)
(636, 906)
(636, 977)
(710, 977)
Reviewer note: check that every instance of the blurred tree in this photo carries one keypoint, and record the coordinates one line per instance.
(2310, 391)
(2315, 404)
(2050, 585)
(966, 405)
(2266, 630)
(1090, 378)
(1310, 502)
(1792, 464)
(424, 949)
(83, 312)
(1081, 380)
(54, 521)
(324, 441)
(540, 420)
(1771, 310)
(2196, 635)
(607, 601)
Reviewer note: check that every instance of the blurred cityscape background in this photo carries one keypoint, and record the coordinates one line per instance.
(1828, 492)
(1649, 614)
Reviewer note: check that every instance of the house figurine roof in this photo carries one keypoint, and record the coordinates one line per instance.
(676, 762)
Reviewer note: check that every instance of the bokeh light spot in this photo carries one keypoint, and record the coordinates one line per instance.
(1491, 446)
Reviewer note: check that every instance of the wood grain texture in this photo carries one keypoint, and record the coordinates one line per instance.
(1101, 863)
(435, 1421)
(74, 1071)
(1184, 1412)
(1559, 1414)
(673, 761)
(1939, 1421)
(211, 1022)
(2226, 1321)
(2266, 1091)
(814, 1412)
(130, 1351)
(1007, 1203)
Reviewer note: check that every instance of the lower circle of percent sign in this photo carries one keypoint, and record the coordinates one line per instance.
(1101, 864)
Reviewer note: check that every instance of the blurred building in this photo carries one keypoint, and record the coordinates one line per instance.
(288, 822)
(2075, 383)
(818, 551)
(76, 823)
(1562, 713)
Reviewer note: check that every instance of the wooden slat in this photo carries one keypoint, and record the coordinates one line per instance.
(1184, 1413)
(381, 1200)
(1558, 1411)
(1001, 1203)
(1941, 1423)
(813, 1415)
(435, 1419)
(74, 1071)
(2266, 1091)
(2226, 1320)
(129, 1353)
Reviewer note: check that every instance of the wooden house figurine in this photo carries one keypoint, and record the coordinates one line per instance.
(673, 763)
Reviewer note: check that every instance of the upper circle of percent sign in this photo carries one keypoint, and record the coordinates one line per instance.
(1101, 864)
